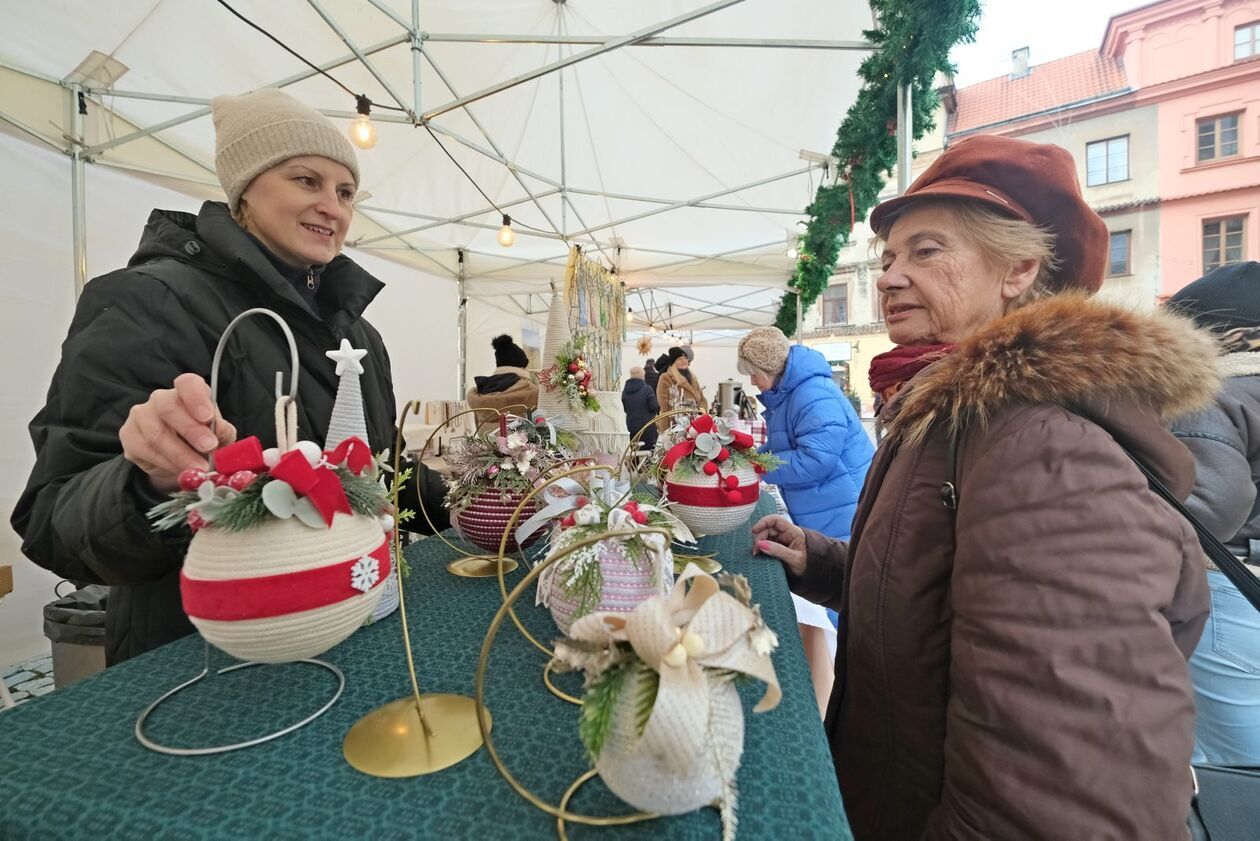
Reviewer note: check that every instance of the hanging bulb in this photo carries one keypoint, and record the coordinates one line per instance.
(506, 235)
(652, 329)
(791, 252)
(362, 130)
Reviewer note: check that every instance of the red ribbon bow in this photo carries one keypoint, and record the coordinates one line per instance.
(702, 424)
(321, 486)
(245, 454)
(353, 452)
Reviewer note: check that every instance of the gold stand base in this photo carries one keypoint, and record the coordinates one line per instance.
(708, 565)
(390, 740)
(481, 566)
(555, 690)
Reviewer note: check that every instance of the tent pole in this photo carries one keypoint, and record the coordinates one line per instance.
(77, 201)
(799, 319)
(905, 138)
(463, 330)
(417, 48)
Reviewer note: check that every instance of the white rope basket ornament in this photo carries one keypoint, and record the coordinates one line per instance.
(717, 519)
(284, 547)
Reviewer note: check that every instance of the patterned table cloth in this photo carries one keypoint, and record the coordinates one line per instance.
(76, 770)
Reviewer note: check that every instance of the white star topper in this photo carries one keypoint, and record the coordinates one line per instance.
(347, 358)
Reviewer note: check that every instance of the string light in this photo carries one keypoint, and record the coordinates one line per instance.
(362, 130)
(506, 235)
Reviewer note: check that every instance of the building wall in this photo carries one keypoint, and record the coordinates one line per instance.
(1193, 192)
(1178, 39)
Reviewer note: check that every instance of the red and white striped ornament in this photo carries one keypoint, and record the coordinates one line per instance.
(485, 518)
(713, 503)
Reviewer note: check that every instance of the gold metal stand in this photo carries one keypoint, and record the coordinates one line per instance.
(483, 715)
(481, 566)
(418, 734)
(555, 690)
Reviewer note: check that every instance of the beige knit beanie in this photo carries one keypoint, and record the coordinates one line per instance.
(259, 130)
(764, 348)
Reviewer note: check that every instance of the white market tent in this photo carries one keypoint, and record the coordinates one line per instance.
(678, 141)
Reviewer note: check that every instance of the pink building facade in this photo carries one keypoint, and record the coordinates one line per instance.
(1164, 122)
(1199, 64)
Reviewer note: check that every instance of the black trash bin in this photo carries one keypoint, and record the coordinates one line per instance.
(75, 624)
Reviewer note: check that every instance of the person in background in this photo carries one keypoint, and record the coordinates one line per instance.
(641, 406)
(812, 428)
(1225, 441)
(678, 387)
(1013, 666)
(650, 375)
(129, 407)
(510, 388)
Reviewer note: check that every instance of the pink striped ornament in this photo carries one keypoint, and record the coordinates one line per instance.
(486, 516)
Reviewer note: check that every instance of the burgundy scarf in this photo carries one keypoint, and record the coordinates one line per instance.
(893, 369)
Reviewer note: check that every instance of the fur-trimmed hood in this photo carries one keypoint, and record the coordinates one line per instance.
(1070, 350)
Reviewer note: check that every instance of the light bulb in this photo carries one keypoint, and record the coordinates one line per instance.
(791, 253)
(506, 235)
(363, 132)
(652, 329)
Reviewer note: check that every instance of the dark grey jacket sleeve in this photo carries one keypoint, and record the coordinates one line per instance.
(1224, 490)
(825, 562)
(82, 514)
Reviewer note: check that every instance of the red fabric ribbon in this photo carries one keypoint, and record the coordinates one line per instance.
(321, 486)
(245, 454)
(353, 452)
(701, 425)
(714, 497)
(266, 596)
(891, 370)
(677, 452)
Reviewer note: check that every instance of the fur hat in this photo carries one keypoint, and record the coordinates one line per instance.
(258, 130)
(663, 362)
(676, 353)
(764, 348)
(508, 354)
(1035, 182)
(1224, 299)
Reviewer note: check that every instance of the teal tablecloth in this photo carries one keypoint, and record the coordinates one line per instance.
(71, 768)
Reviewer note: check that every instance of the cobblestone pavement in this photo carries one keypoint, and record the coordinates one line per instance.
(29, 679)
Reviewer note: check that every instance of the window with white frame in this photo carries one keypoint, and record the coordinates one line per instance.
(1217, 138)
(1247, 40)
(1222, 241)
(1107, 161)
(1119, 260)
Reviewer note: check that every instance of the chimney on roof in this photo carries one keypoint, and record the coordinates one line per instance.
(1019, 63)
(944, 84)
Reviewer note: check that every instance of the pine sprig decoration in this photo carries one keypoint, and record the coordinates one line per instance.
(913, 40)
(246, 510)
(364, 493)
(645, 695)
(598, 704)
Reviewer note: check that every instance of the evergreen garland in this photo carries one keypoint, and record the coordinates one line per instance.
(912, 43)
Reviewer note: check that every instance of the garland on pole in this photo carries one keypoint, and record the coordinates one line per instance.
(912, 44)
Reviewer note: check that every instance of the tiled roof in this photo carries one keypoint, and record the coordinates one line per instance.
(1077, 78)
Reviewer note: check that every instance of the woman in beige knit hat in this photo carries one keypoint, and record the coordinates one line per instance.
(129, 407)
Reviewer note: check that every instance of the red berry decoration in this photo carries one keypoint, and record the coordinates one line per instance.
(582, 502)
(732, 482)
(639, 516)
(241, 479)
(573, 366)
(733, 497)
(723, 454)
(759, 470)
(191, 479)
(710, 468)
(568, 522)
(196, 522)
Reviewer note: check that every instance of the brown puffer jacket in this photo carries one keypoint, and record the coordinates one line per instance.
(1017, 669)
(522, 393)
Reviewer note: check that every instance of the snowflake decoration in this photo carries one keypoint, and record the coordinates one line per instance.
(365, 573)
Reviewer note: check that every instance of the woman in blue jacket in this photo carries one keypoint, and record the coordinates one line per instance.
(812, 428)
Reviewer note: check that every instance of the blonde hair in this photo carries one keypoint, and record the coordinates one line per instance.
(1004, 242)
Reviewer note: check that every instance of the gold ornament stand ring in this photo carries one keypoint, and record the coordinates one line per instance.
(420, 733)
(560, 812)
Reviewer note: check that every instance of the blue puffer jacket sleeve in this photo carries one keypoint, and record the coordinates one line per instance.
(813, 429)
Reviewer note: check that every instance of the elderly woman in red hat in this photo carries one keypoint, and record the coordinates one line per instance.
(1012, 663)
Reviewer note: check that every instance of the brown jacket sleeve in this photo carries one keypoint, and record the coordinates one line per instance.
(1070, 712)
(825, 561)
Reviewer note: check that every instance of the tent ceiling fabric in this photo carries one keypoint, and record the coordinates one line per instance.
(646, 129)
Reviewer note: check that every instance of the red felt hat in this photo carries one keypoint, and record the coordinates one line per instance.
(1035, 182)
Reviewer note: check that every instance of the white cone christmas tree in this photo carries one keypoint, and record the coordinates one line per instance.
(347, 420)
(347, 414)
(553, 404)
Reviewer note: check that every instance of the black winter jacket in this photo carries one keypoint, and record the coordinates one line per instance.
(135, 330)
(640, 403)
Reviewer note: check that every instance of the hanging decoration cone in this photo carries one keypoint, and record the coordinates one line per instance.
(552, 402)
